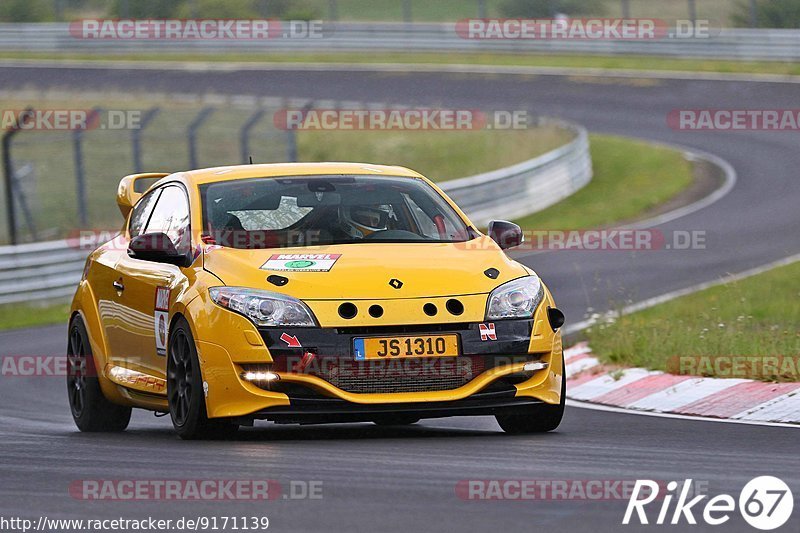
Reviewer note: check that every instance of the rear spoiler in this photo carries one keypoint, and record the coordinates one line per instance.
(126, 192)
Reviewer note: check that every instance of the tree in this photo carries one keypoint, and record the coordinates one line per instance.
(769, 13)
(146, 9)
(26, 11)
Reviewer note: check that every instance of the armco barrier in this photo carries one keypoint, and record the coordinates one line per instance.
(726, 43)
(521, 189)
(51, 270)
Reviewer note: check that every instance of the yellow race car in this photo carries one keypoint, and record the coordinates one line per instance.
(309, 293)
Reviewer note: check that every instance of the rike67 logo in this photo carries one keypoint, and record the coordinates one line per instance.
(765, 503)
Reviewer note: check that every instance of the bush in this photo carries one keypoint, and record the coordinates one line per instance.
(769, 14)
(26, 11)
(549, 8)
(144, 9)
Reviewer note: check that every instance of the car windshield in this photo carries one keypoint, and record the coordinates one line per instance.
(309, 210)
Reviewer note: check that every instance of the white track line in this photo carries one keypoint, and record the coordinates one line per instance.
(620, 410)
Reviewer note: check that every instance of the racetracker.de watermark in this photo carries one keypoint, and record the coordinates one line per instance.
(619, 239)
(194, 489)
(760, 367)
(582, 29)
(70, 119)
(551, 489)
(611, 239)
(34, 365)
(411, 119)
(195, 29)
(734, 120)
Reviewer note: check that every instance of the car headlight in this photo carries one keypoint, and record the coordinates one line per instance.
(264, 308)
(516, 299)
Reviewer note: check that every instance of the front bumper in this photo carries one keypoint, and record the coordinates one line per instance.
(324, 410)
(303, 395)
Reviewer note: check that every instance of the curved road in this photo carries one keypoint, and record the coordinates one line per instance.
(377, 479)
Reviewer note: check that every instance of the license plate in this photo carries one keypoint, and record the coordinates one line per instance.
(407, 346)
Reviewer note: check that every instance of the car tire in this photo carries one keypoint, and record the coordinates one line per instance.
(91, 410)
(185, 395)
(537, 418)
(395, 420)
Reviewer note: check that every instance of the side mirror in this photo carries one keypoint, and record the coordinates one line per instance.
(505, 234)
(156, 247)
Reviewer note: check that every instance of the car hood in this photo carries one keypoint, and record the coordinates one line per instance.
(366, 270)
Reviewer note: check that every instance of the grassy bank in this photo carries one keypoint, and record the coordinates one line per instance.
(30, 315)
(630, 178)
(757, 316)
(438, 155)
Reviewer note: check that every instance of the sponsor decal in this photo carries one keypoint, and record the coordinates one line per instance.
(488, 332)
(301, 262)
(161, 319)
(290, 340)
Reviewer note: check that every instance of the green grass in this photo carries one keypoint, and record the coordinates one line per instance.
(647, 63)
(445, 10)
(757, 316)
(438, 155)
(50, 190)
(452, 10)
(25, 316)
(630, 177)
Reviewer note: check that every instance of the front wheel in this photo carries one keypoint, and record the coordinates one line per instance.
(536, 418)
(91, 410)
(185, 395)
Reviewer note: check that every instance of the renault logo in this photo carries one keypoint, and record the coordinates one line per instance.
(396, 283)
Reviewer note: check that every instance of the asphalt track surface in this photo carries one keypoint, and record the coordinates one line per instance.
(404, 479)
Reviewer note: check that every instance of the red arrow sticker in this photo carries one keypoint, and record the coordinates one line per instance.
(290, 340)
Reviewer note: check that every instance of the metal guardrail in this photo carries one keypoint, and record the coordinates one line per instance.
(39, 271)
(728, 43)
(527, 187)
(51, 270)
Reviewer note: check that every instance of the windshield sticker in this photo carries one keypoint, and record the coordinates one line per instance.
(301, 262)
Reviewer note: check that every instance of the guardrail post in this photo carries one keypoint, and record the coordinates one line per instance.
(692, 10)
(407, 11)
(333, 10)
(136, 137)
(291, 134)
(244, 133)
(8, 173)
(481, 9)
(80, 176)
(753, 14)
(626, 9)
(201, 117)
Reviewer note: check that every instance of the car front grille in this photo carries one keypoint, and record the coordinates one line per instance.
(400, 375)
(409, 375)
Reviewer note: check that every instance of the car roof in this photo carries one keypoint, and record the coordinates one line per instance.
(275, 170)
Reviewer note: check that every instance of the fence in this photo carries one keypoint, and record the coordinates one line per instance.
(37, 271)
(56, 180)
(741, 44)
